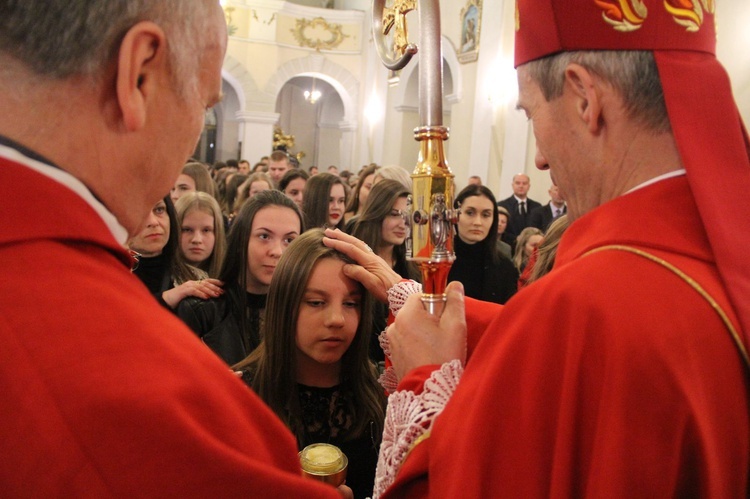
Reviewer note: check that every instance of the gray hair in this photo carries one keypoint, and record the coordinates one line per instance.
(632, 73)
(63, 38)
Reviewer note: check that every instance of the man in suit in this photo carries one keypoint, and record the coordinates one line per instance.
(544, 215)
(519, 205)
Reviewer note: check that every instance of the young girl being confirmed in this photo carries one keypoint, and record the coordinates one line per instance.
(312, 367)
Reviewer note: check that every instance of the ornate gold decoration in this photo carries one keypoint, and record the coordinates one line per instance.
(518, 18)
(270, 20)
(307, 33)
(623, 15)
(282, 140)
(689, 13)
(396, 16)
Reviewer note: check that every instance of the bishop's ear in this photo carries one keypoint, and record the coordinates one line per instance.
(141, 63)
(584, 89)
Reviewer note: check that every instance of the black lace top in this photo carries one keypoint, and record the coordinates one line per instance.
(327, 418)
(324, 415)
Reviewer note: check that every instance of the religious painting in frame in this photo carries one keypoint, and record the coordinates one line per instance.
(471, 20)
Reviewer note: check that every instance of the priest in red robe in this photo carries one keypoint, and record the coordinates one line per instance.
(104, 393)
(623, 372)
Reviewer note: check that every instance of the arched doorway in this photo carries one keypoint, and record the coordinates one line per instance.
(312, 110)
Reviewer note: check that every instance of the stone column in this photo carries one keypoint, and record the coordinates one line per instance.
(256, 134)
(348, 141)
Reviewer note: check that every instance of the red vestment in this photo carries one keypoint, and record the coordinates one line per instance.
(610, 377)
(105, 393)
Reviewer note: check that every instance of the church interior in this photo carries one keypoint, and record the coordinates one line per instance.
(310, 68)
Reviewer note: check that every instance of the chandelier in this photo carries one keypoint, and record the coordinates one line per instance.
(312, 95)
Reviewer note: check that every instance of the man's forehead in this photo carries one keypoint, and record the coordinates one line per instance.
(526, 87)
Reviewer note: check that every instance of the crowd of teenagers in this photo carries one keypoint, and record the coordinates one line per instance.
(215, 253)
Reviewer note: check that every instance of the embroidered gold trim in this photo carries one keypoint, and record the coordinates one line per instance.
(693, 284)
(421, 438)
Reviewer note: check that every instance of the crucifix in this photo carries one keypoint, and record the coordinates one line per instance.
(396, 16)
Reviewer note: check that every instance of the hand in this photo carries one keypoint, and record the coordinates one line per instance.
(345, 491)
(203, 289)
(373, 272)
(418, 338)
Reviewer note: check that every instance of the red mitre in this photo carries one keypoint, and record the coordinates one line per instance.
(707, 127)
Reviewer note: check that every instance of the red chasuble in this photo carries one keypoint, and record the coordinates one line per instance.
(610, 377)
(105, 393)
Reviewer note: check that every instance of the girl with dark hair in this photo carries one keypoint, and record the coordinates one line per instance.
(361, 191)
(293, 184)
(383, 226)
(485, 273)
(312, 366)
(231, 325)
(159, 263)
(324, 201)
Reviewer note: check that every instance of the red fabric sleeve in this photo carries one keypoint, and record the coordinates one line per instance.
(479, 314)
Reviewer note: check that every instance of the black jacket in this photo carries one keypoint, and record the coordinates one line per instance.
(541, 217)
(484, 277)
(218, 323)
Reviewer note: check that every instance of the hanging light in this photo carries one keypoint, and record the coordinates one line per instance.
(312, 95)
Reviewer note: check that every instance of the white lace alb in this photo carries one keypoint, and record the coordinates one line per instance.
(397, 296)
(399, 292)
(410, 417)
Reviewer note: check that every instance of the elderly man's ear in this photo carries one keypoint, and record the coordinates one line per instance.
(141, 63)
